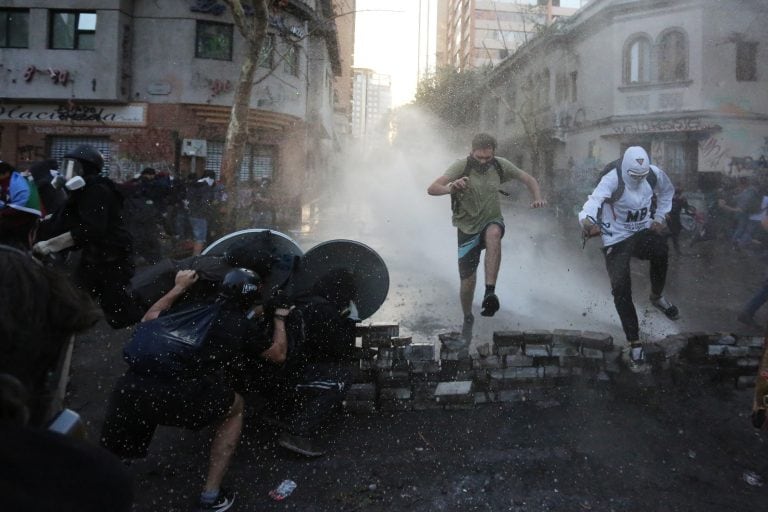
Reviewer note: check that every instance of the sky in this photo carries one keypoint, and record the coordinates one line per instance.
(387, 41)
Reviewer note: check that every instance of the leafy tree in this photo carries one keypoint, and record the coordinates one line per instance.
(453, 95)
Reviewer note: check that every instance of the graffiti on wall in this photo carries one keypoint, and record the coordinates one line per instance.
(715, 155)
(669, 125)
(57, 76)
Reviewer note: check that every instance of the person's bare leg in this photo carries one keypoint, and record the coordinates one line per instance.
(492, 254)
(224, 443)
(467, 293)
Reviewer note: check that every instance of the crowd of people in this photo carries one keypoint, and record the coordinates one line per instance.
(201, 348)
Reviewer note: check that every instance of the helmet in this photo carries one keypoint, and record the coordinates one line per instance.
(241, 286)
(83, 160)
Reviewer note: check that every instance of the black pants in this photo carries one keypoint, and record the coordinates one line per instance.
(644, 245)
(108, 282)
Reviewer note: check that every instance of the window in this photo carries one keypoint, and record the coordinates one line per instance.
(73, 30)
(746, 61)
(637, 61)
(213, 41)
(291, 65)
(574, 89)
(267, 54)
(673, 57)
(257, 161)
(14, 28)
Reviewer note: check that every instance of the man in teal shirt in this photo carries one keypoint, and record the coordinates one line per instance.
(473, 183)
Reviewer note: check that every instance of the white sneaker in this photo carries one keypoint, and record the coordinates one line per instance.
(634, 357)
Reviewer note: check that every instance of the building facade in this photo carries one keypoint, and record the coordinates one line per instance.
(477, 33)
(371, 102)
(152, 83)
(686, 79)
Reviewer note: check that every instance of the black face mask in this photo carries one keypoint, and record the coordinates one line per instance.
(479, 166)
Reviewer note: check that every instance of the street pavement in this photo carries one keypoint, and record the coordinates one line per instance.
(685, 444)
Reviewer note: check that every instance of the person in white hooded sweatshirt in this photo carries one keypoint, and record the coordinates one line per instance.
(632, 225)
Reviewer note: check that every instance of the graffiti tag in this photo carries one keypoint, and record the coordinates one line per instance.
(672, 125)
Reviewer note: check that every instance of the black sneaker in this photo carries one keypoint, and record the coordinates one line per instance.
(490, 305)
(666, 307)
(223, 502)
(301, 445)
(466, 328)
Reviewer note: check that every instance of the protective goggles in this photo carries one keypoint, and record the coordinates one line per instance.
(637, 174)
(72, 168)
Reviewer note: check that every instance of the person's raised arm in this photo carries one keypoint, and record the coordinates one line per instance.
(533, 188)
(278, 351)
(184, 279)
(443, 185)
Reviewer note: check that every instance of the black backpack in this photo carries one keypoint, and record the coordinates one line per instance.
(455, 196)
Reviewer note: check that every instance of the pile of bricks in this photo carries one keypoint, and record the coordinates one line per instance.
(398, 373)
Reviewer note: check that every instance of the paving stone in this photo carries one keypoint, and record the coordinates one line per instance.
(485, 397)
(490, 362)
(725, 339)
(674, 346)
(508, 350)
(727, 350)
(423, 369)
(564, 349)
(512, 361)
(507, 338)
(750, 341)
(455, 392)
(455, 355)
(536, 349)
(362, 392)
(484, 350)
(401, 341)
(569, 336)
(420, 351)
(592, 353)
(452, 342)
(596, 340)
(393, 378)
(537, 337)
(378, 334)
(401, 393)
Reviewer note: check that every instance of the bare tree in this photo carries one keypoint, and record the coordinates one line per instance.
(251, 19)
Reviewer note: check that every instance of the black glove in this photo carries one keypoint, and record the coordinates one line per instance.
(278, 300)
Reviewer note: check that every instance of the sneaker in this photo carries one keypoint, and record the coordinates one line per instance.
(490, 305)
(747, 319)
(223, 502)
(634, 356)
(301, 445)
(466, 328)
(666, 307)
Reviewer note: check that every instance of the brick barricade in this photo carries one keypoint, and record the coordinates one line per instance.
(399, 373)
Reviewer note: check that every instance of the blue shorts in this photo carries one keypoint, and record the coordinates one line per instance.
(199, 229)
(470, 247)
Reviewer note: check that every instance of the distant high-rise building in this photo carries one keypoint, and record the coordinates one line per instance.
(371, 100)
(476, 33)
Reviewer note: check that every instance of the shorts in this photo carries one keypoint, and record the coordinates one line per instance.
(140, 403)
(470, 247)
(199, 229)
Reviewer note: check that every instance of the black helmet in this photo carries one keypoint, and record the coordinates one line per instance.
(241, 286)
(90, 158)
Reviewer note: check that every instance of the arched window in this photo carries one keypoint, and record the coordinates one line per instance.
(637, 60)
(673, 56)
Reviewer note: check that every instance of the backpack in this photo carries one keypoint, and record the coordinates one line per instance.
(169, 344)
(652, 179)
(455, 197)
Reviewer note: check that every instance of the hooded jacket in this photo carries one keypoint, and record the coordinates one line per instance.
(632, 211)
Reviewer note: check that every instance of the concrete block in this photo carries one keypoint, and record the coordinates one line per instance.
(553, 371)
(452, 342)
(592, 353)
(455, 355)
(366, 391)
(537, 337)
(725, 339)
(507, 338)
(564, 349)
(514, 360)
(424, 368)
(569, 336)
(401, 341)
(393, 378)
(484, 350)
(420, 351)
(750, 341)
(378, 334)
(536, 349)
(485, 397)
(401, 393)
(508, 350)
(727, 350)
(596, 340)
(490, 362)
(455, 392)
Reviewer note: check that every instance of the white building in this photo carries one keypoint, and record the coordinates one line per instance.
(371, 101)
(687, 79)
